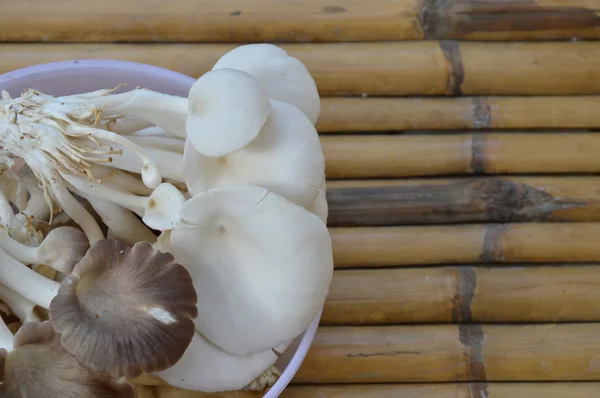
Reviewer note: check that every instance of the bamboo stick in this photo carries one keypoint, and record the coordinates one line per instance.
(378, 69)
(295, 20)
(466, 244)
(447, 390)
(389, 156)
(479, 113)
(450, 353)
(463, 294)
(460, 200)
(173, 392)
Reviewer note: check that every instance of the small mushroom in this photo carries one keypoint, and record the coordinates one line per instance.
(285, 158)
(226, 110)
(125, 310)
(284, 78)
(159, 210)
(34, 364)
(260, 264)
(62, 248)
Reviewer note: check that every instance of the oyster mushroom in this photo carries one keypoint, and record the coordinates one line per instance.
(125, 310)
(34, 364)
(259, 263)
(159, 210)
(284, 78)
(285, 158)
(226, 110)
(62, 248)
(205, 367)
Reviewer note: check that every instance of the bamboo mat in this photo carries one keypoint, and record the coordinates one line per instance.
(463, 166)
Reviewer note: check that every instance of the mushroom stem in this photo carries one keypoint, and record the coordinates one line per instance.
(122, 222)
(127, 125)
(166, 143)
(74, 209)
(7, 214)
(23, 253)
(170, 164)
(104, 191)
(26, 282)
(36, 205)
(121, 179)
(6, 337)
(162, 110)
(23, 308)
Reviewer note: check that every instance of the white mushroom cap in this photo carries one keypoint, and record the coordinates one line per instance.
(162, 207)
(261, 266)
(284, 77)
(204, 367)
(286, 158)
(320, 206)
(226, 110)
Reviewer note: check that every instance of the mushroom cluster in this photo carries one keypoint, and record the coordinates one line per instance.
(143, 233)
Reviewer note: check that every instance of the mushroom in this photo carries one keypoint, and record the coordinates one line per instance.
(159, 210)
(125, 310)
(205, 367)
(34, 364)
(226, 110)
(285, 158)
(260, 264)
(62, 248)
(284, 78)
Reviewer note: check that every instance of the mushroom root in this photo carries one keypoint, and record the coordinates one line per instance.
(125, 310)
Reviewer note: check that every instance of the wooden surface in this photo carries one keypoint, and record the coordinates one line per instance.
(462, 152)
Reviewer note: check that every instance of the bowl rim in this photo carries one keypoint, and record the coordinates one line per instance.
(307, 337)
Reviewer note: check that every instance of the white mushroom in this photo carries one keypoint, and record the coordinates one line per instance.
(159, 210)
(227, 108)
(205, 367)
(285, 78)
(285, 158)
(260, 264)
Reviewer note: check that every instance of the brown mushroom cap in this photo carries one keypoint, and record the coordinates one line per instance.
(40, 367)
(125, 310)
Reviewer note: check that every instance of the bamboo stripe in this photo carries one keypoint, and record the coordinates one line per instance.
(466, 244)
(477, 113)
(450, 353)
(296, 20)
(390, 156)
(461, 200)
(448, 390)
(568, 293)
(380, 69)
(430, 390)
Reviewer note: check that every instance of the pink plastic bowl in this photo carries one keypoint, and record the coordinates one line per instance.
(71, 77)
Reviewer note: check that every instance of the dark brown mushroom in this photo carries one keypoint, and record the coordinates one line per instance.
(38, 366)
(125, 310)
